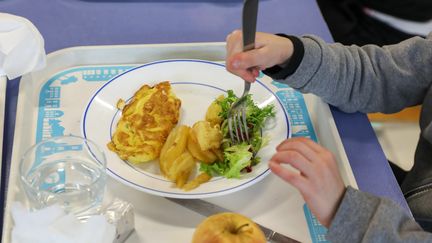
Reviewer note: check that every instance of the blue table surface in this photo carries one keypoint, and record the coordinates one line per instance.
(67, 23)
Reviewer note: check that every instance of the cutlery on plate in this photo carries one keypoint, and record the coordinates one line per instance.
(237, 125)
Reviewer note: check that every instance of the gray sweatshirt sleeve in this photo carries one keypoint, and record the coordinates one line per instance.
(374, 220)
(368, 78)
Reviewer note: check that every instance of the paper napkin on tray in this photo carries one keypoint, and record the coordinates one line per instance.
(21, 46)
(53, 225)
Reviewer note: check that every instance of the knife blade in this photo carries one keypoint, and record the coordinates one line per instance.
(206, 209)
(249, 22)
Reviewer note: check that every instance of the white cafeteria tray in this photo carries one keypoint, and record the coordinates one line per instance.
(271, 202)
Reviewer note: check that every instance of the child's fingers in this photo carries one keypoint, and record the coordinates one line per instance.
(234, 41)
(255, 71)
(245, 74)
(308, 142)
(296, 160)
(294, 178)
(300, 147)
(245, 60)
(255, 58)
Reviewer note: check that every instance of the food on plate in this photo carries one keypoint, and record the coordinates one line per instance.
(208, 136)
(209, 143)
(200, 179)
(239, 157)
(194, 148)
(204, 142)
(213, 111)
(181, 168)
(228, 228)
(177, 161)
(145, 123)
(173, 147)
(148, 130)
(120, 104)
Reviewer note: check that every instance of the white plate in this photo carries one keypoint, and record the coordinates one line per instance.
(197, 83)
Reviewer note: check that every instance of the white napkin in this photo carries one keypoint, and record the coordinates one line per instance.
(21, 46)
(53, 225)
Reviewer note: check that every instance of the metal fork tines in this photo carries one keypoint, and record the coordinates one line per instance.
(237, 123)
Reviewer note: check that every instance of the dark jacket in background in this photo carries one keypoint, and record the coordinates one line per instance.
(415, 10)
(349, 24)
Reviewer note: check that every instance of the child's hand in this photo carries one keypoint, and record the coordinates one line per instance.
(319, 181)
(269, 50)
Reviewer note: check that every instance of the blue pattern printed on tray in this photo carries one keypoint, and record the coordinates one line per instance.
(295, 105)
(316, 230)
(98, 74)
(50, 96)
(301, 124)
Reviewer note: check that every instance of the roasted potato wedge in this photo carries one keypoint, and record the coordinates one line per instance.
(212, 114)
(181, 168)
(200, 179)
(208, 137)
(207, 157)
(174, 146)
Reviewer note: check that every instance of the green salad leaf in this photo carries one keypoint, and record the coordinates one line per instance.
(240, 157)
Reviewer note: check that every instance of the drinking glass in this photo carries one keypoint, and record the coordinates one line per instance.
(67, 170)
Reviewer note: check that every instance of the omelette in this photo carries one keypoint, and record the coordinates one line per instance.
(145, 123)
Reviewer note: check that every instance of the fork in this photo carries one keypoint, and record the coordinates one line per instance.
(237, 124)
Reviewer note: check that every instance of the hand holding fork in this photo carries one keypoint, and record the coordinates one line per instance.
(237, 123)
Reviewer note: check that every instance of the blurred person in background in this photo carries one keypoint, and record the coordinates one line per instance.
(380, 22)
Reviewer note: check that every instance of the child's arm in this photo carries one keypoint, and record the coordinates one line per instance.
(350, 215)
(362, 217)
(367, 79)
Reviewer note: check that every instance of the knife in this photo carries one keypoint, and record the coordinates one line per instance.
(249, 22)
(206, 209)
